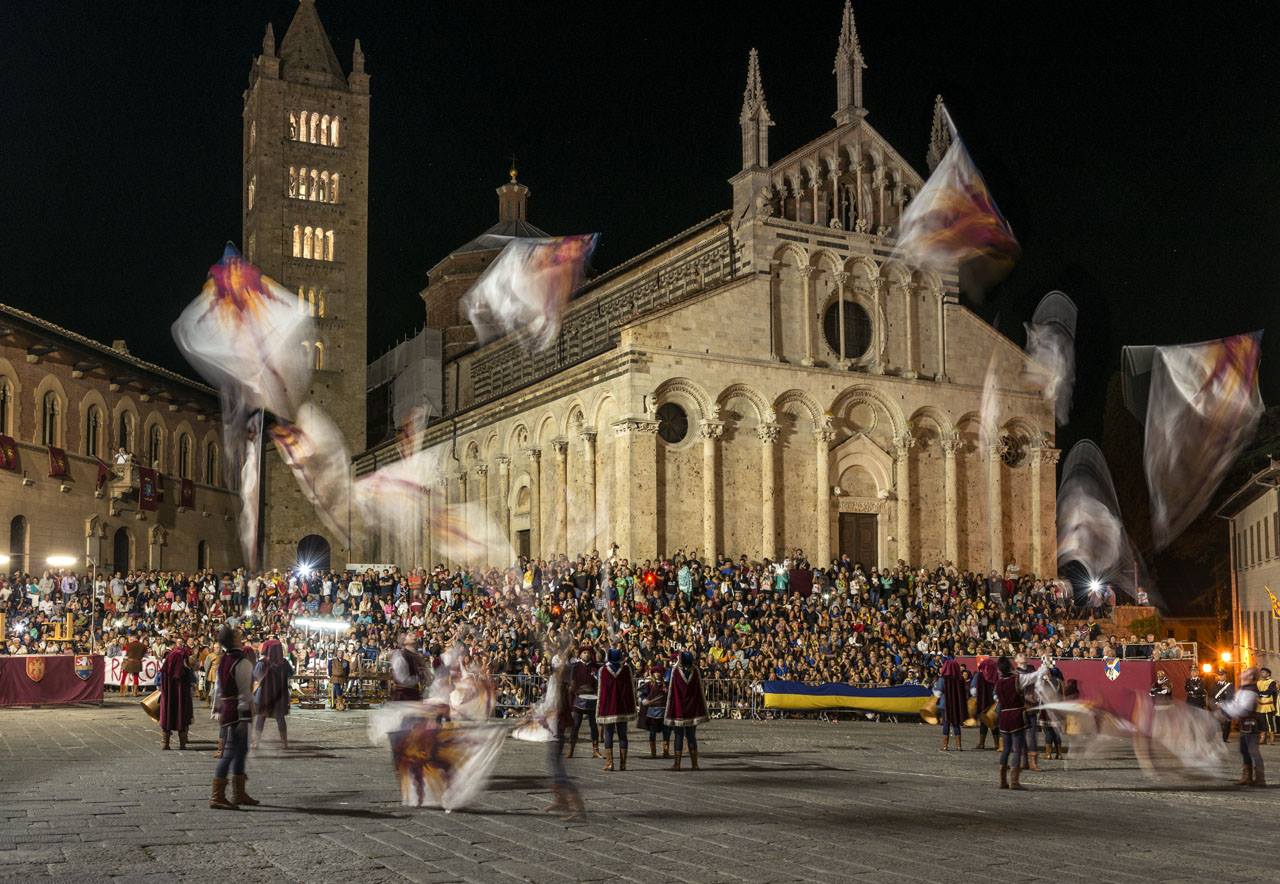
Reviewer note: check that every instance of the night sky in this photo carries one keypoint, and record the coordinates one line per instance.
(1132, 147)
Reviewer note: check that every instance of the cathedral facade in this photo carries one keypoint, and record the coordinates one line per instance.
(765, 380)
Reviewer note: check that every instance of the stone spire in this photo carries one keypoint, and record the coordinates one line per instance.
(849, 67)
(269, 42)
(940, 135)
(357, 58)
(754, 118)
(306, 52)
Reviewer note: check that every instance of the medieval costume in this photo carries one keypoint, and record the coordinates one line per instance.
(582, 693)
(954, 703)
(233, 705)
(408, 669)
(1011, 717)
(176, 704)
(1050, 724)
(1243, 708)
(1267, 705)
(1031, 759)
(1195, 692)
(686, 708)
(272, 673)
(558, 716)
(616, 692)
(1223, 691)
(134, 652)
(983, 690)
(653, 705)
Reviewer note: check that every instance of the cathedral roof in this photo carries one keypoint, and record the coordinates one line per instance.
(494, 238)
(306, 52)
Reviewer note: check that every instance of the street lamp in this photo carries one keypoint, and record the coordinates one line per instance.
(1225, 657)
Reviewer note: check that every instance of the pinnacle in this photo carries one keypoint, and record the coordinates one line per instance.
(753, 97)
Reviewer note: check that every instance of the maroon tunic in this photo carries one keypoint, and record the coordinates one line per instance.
(686, 706)
(228, 688)
(1012, 704)
(617, 693)
(175, 691)
(955, 692)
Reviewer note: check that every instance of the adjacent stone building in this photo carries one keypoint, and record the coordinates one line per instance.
(769, 378)
(1253, 518)
(66, 398)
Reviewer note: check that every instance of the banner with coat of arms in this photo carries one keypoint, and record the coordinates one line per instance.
(187, 494)
(8, 454)
(84, 667)
(35, 668)
(58, 467)
(148, 498)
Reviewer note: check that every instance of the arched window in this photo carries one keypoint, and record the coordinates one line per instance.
(324, 187)
(333, 132)
(293, 181)
(211, 464)
(297, 241)
(253, 185)
(333, 187)
(18, 544)
(306, 348)
(311, 301)
(293, 125)
(319, 309)
(315, 185)
(6, 405)
(202, 556)
(315, 122)
(306, 242)
(92, 431)
(155, 447)
(49, 415)
(124, 431)
(184, 456)
(328, 255)
(302, 183)
(253, 133)
(324, 129)
(319, 363)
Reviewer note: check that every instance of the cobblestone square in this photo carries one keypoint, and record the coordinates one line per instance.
(86, 794)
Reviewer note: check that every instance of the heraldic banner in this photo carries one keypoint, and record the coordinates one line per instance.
(51, 679)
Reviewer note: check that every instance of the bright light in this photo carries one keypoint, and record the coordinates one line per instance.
(304, 570)
(322, 625)
(61, 561)
(1094, 586)
(4, 559)
(1207, 668)
(1225, 656)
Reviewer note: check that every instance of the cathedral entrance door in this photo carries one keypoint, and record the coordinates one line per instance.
(858, 533)
(522, 543)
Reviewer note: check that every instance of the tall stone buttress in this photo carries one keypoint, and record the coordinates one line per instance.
(306, 213)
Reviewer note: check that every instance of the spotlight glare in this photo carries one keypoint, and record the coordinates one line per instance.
(61, 561)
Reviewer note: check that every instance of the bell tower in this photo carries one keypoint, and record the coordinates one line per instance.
(306, 213)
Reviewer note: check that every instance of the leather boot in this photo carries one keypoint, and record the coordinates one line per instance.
(676, 765)
(946, 742)
(666, 748)
(595, 749)
(217, 753)
(218, 799)
(653, 748)
(608, 759)
(693, 759)
(573, 744)
(622, 758)
(238, 794)
(1259, 778)
(1035, 761)
(1015, 778)
(559, 801)
(284, 734)
(959, 745)
(1246, 778)
(166, 740)
(982, 741)
(1004, 776)
(182, 739)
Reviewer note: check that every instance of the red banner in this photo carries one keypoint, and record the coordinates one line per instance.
(51, 680)
(187, 494)
(104, 473)
(57, 463)
(148, 498)
(8, 454)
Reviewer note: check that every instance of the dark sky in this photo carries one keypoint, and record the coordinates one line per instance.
(1132, 147)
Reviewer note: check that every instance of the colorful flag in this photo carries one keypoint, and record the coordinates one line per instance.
(148, 499)
(1275, 603)
(8, 454)
(57, 463)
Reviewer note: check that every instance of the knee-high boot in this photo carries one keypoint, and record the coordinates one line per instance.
(1004, 776)
(693, 760)
(676, 764)
(608, 759)
(622, 758)
(284, 734)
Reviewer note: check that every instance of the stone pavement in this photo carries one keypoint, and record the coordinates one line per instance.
(87, 795)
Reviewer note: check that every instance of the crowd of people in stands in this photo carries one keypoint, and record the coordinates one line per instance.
(752, 620)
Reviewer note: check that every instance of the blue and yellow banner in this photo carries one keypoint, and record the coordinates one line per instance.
(905, 699)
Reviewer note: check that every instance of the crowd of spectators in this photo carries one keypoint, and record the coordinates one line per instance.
(753, 620)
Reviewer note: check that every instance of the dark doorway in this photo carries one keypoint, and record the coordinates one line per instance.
(120, 550)
(858, 538)
(18, 544)
(202, 556)
(522, 543)
(313, 553)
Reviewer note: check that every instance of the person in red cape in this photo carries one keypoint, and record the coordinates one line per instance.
(582, 694)
(616, 690)
(176, 706)
(983, 691)
(956, 703)
(686, 708)
(233, 705)
(653, 706)
(272, 673)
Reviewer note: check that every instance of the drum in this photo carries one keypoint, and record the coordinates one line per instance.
(929, 712)
(971, 713)
(151, 705)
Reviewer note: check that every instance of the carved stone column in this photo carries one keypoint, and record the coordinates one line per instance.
(995, 504)
(823, 436)
(879, 364)
(636, 487)
(951, 504)
(589, 453)
(902, 444)
(463, 512)
(768, 433)
(1041, 455)
(841, 278)
(806, 277)
(504, 502)
(535, 501)
(560, 540)
(942, 336)
(486, 531)
(710, 431)
(909, 302)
